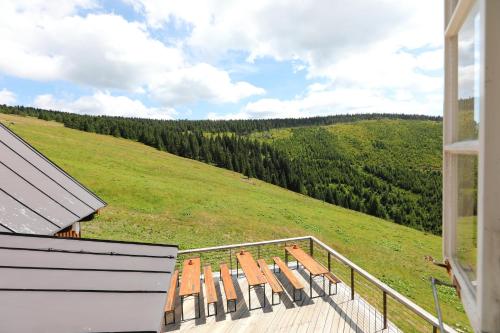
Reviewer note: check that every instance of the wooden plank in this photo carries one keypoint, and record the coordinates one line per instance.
(169, 306)
(227, 282)
(314, 267)
(271, 278)
(210, 292)
(252, 272)
(190, 280)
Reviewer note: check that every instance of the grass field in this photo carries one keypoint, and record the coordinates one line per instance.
(156, 197)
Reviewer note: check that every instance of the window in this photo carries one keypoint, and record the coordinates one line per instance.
(471, 165)
(462, 148)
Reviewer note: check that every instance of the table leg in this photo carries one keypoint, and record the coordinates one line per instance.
(264, 295)
(182, 308)
(199, 306)
(310, 286)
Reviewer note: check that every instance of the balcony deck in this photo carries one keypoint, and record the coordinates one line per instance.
(336, 313)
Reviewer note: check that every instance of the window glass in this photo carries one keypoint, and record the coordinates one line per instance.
(466, 226)
(468, 77)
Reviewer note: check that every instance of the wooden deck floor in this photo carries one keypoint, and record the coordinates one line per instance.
(337, 313)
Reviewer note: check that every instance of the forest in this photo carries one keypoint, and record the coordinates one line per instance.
(394, 191)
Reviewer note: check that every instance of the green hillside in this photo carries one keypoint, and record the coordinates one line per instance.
(390, 168)
(384, 165)
(154, 196)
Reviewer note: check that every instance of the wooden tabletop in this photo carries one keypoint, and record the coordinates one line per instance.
(190, 279)
(249, 266)
(314, 267)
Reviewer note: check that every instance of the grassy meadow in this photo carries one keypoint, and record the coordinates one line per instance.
(157, 197)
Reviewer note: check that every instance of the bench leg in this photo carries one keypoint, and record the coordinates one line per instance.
(227, 305)
(330, 289)
(166, 316)
(300, 295)
(208, 309)
(279, 297)
(235, 302)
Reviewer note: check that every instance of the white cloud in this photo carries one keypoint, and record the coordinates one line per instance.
(370, 56)
(375, 56)
(317, 32)
(337, 101)
(7, 97)
(46, 42)
(103, 103)
(200, 81)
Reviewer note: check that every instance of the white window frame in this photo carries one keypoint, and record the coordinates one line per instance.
(482, 304)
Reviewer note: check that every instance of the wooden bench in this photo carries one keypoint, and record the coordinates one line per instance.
(296, 284)
(210, 291)
(229, 290)
(276, 286)
(332, 279)
(170, 305)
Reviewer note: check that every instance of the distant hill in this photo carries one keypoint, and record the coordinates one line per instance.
(366, 167)
(158, 197)
(390, 168)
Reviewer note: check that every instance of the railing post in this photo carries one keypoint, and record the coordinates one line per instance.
(258, 252)
(329, 262)
(230, 260)
(385, 310)
(434, 329)
(352, 283)
(311, 247)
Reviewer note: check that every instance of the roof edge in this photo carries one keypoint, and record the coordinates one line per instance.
(88, 239)
(54, 164)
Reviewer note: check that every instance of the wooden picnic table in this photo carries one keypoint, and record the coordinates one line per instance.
(253, 274)
(190, 282)
(310, 264)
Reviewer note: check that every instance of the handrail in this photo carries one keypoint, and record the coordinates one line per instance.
(235, 246)
(379, 284)
(391, 292)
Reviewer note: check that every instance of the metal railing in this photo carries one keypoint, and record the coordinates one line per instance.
(409, 317)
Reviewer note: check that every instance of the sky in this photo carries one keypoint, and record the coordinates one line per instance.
(217, 59)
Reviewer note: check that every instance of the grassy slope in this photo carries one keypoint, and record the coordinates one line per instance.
(157, 197)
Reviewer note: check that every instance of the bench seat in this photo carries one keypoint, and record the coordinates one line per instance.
(170, 305)
(296, 284)
(332, 279)
(229, 290)
(276, 286)
(210, 291)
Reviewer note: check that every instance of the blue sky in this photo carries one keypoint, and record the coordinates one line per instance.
(216, 59)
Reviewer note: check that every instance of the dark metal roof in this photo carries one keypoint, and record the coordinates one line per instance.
(36, 196)
(55, 285)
